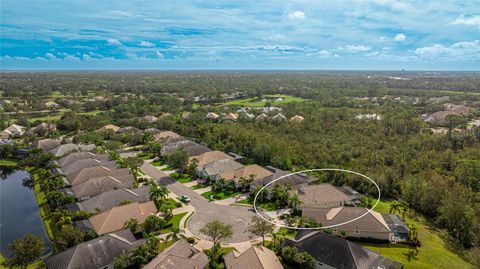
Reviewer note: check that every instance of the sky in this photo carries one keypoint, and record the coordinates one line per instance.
(240, 35)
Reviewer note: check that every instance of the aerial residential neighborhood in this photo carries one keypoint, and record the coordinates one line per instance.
(239, 134)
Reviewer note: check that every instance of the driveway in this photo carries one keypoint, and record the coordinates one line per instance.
(238, 216)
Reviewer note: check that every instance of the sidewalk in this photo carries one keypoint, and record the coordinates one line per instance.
(200, 191)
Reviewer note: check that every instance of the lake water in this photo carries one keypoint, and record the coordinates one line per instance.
(19, 212)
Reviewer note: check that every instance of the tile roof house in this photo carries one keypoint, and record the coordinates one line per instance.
(114, 219)
(295, 181)
(150, 118)
(47, 144)
(397, 226)
(96, 185)
(72, 157)
(165, 134)
(96, 253)
(230, 117)
(192, 148)
(246, 171)
(261, 117)
(85, 163)
(372, 225)
(253, 258)
(112, 127)
(153, 131)
(212, 116)
(45, 126)
(279, 118)
(129, 130)
(180, 255)
(323, 196)
(65, 149)
(209, 157)
(51, 104)
(12, 131)
(215, 168)
(110, 199)
(297, 118)
(95, 171)
(334, 252)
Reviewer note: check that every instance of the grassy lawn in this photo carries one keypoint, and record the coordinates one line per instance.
(157, 163)
(170, 202)
(199, 186)
(245, 201)
(257, 101)
(182, 178)
(8, 162)
(44, 210)
(146, 156)
(164, 245)
(220, 196)
(435, 251)
(174, 222)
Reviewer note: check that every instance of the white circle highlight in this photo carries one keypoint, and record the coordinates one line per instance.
(319, 170)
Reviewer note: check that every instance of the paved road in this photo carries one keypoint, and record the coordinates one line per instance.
(239, 216)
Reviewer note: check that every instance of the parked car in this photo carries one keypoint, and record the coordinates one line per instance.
(185, 199)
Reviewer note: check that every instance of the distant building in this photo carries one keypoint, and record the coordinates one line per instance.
(150, 119)
(11, 131)
(212, 116)
(215, 168)
(65, 149)
(323, 196)
(279, 118)
(52, 105)
(261, 117)
(230, 117)
(297, 118)
(47, 144)
(245, 172)
(112, 127)
(208, 157)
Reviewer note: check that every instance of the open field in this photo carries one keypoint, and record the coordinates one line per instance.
(257, 101)
(435, 250)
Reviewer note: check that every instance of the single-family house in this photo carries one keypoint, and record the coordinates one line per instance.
(153, 131)
(372, 225)
(129, 130)
(51, 105)
(279, 118)
(78, 165)
(114, 219)
(98, 184)
(297, 119)
(212, 116)
(109, 199)
(323, 196)
(111, 127)
(165, 134)
(180, 255)
(252, 171)
(13, 130)
(208, 157)
(65, 149)
(214, 169)
(332, 252)
(47, 144)
(100, 252)
(95, 171)
(295, 181)
(261, 117)
(256, 257)
(150, 118)
(72, 157)
(230, 117)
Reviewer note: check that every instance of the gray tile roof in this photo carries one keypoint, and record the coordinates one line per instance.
(180, 255)
(47, 144)
(338, 252)
(65, 149)
(107, 200)
(86, 163)
(96, 185)
(221, 166)
(293, 180)
(258, 257)
(96, 253)
(319, 194)
(70, 158)
(95, 171)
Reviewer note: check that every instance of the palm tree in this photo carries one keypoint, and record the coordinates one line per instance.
(294, 202)
(413, 236)
(404, 209)
(395, 207)
(158, 193)
(64, 221)
(167, 212)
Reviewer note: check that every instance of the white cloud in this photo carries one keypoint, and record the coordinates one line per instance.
(400, 37)
(462, 20)
(50, 56)
(146, 44)
(114, 42)
(382, 39)
(460, 50)
(159, 54)
(354, 48)
(296, 15)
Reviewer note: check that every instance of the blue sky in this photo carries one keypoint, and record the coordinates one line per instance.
(342, 34)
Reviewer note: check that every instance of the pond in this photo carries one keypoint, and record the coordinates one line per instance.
(19, 212)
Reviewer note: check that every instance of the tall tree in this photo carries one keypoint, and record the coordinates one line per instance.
(261, 227)
(26, 250)
(217, 231)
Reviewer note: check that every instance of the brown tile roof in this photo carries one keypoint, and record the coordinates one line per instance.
(221, 166)
(245, 172)
(166, 134)
(180, 255)
(372, 222)
(320, 194)
(230, 116)
(86, 163)
(112, 127)
(209, 156)
(47, 144)
(253, 258)
(113, 220)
